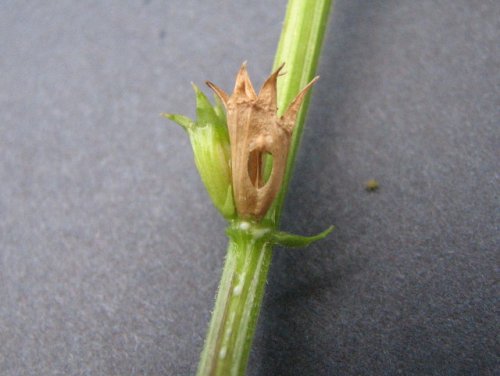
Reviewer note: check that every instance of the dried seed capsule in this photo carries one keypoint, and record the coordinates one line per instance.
(255, 130)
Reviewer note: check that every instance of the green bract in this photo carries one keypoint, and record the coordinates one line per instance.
(212, 155)
(266, 232)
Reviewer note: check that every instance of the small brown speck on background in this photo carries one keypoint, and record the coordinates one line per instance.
(372, 185)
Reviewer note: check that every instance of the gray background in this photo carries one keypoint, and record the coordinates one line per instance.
(110, 252)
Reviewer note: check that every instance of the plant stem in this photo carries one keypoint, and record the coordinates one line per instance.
(238, 303)
(241, 289)
(299, 47)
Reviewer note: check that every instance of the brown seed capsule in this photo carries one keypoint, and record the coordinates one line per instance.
(254, 131)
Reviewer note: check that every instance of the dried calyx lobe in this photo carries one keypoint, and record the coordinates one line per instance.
(255, 130)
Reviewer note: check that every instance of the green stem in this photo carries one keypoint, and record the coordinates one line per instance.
(241, 289)
(299, 47)
(238, 302)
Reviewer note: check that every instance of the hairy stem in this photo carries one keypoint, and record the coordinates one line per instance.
(238, 302)
(241, 289)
